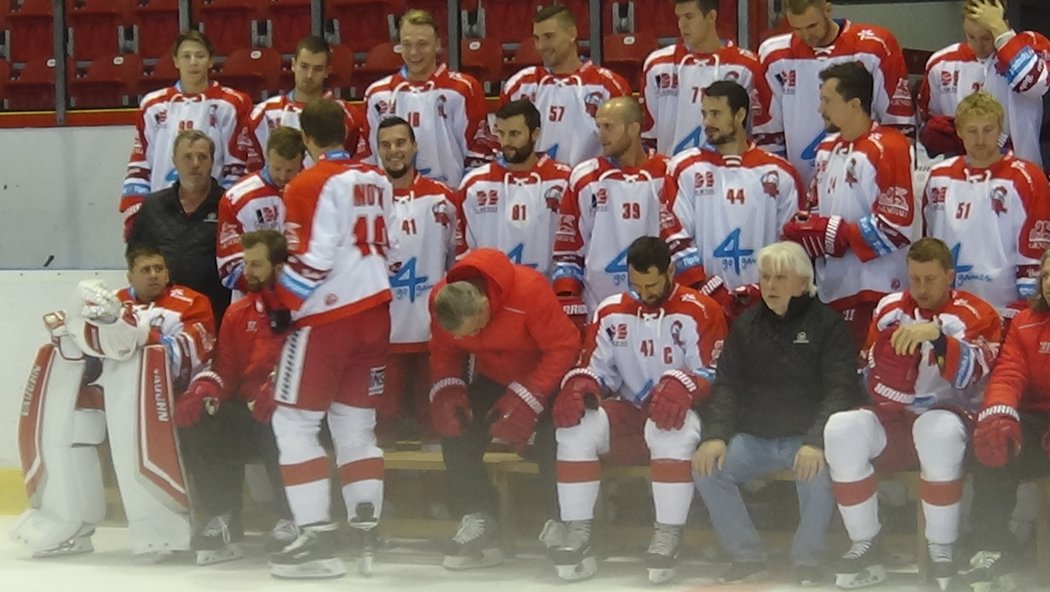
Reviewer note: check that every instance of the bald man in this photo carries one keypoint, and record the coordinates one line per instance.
(619, 193)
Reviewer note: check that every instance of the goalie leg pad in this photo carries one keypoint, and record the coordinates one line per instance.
(145, 453)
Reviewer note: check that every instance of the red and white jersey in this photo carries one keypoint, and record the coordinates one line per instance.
(284, 110)
(185, 321)
(447, 112)
(567, 104)
(995, 220)
(630, 345)
(673, 81)
(247, 351)
(607, 207)
(971, 328)
(868, 183)
(793, 73)
(422, 224)
(220, 112)
(335, 223)
(1017, 76)
(253, 203)
(515, 212)
(732, 206)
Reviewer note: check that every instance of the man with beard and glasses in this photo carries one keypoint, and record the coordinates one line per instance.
(512, 204)
(612, 200)
(422, 226)
(732, 199)
(224, 414)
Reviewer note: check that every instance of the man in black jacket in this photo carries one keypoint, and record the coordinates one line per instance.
(181, 221)
(787, 365)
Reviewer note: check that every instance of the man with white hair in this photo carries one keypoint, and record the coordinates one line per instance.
(760, 422)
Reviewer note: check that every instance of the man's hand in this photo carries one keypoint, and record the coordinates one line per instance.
(907, 339)
(809, 461)
(203, 394)
(709, 458)
(989, 14)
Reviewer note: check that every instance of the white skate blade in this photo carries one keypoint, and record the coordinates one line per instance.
(488, 558)
(151, 557)
(943, 583)
(660, 575)
(75, 546)
(586, 568)
(870, 576)
(316, 569)
(364, 564)
(230, 552)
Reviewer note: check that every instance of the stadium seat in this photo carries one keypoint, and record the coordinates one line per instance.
(382, 60)
(289, 21)
(33, 88)
(157, 27)
(30, 25)
(96, 27)
(107, 83)
(625, 54)
(341, 79)
(916, 60)
(656, 18)
(229, 24)
(256, 72)
(5, 75)
(363, 24)
(162, 74)
(525, 55)
(482, 59)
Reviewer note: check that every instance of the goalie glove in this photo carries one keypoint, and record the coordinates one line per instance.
(676, 393)
(580, 390)
(891, 376)
(818, 235)
(514, 415)
(997, 437)
(98, 303)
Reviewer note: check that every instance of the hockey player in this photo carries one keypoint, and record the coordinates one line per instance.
(566, 90)
(612, 200)
(649, 358)
(335, 284)
(422, 224)
(1012, 438)
(311, 65)
(758, 422)
(929, 350)
(446, 109)
(674, 79)
(732, 200)
(793, 62)
(224, 414)
(860, 208)
(109, 374)
(194, 102)
(254, 203)
(512, 204)
(992, 209)
(508, 320)
(1010, 66)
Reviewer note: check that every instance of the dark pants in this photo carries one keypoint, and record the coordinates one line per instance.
(995, 489)
(472, 490)
(215, 450)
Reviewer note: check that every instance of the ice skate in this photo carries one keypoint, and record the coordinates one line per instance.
(282, 535)
(474, 545)
(573, 558)
(662, 555)
(79, 544)
(942, 565)
(989, 571)
(216, 543)
(312, 555)
(364, 525)
(861, 566)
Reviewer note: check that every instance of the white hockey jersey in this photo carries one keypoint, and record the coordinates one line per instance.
(253, 203)
(422, 224)
(732, 206)
(996, 222)
(220, 112)
(516, 213)
(1017, 76)
(673, 80)
(793, 73)
(630, 345)
(448, 116)
(284, 110)
(567, 104)
(868, 182)
(607, 207)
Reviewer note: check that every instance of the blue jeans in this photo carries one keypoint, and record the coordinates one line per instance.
(748, 458)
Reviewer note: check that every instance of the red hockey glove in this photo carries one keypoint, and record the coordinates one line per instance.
(204, 391)
(514, 415)
(450, 407)
(716, 289)
(818, 235)
(575, 309)
(939, 137)
(997, 436)
(891, 376)
(673, 396)
(744, 297)
(580, 390)
(264, 405)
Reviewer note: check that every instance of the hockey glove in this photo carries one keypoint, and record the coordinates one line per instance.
(575, 309)
(580, 390)
(514, 415)
(939, 137)
(891, 376)
(676, 393)
(997, 437)
(450, 407)
(744, 297)
(204, 391)
(818, 235)
(716, 289)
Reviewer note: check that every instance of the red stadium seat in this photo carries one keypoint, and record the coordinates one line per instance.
(107, 83)
(30, 24)
(625, 54)
(382, 60)
(94, 27)
(341, 79)
(256, 72)
(656, 18)
(157, 27)
(289, 22)
(5, 75)
(33, 89)
(916, 60)
(163, 74)
(363, 24)
(525, 55)
(482, 59)
(227, 23)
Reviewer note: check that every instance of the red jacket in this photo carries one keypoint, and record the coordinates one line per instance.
(247, 351)
(528, 340)
(1021, 377)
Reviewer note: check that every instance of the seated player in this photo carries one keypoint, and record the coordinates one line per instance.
(928, 349)
(648, 358)
(87, 386)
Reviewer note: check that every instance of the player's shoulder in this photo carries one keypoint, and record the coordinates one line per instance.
(972, 303)
(245, 186)
(953, 167)
(486, 172)
(890, 302)
(157, 97)
(1020, 169)
(1037, 40)
(956, 52)
(461, 82)
(612, 81)
(776, 47)
(757, 158)
(661, 55)
(384, 84)
(551, 169)
(240, 309)
(870, 38)
(230, 95)
(735, 54)
(181, 298)
(691, 157)
(520, 77)
(621, 303)
(261, 109)
(428, 186)
(687, 301)
(586, 171)
(886, 138)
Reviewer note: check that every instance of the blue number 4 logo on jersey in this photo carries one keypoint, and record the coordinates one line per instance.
(730, 249)
(618, 268)
(516, 254)
(406, 279)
